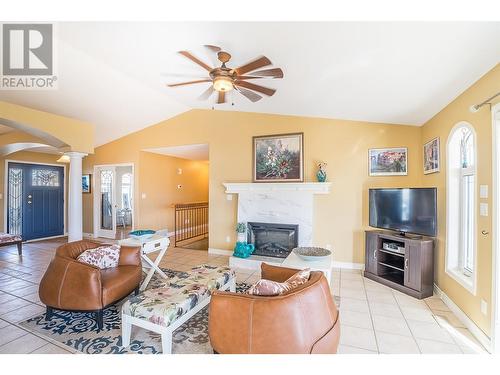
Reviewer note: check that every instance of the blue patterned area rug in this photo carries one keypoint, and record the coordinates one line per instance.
(79, 330)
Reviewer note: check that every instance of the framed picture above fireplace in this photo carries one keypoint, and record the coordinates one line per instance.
(278, 158)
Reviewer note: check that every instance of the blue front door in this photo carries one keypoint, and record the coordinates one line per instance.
(36, 204)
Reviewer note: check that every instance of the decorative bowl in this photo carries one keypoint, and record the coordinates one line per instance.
(142, 234)
(312, 253)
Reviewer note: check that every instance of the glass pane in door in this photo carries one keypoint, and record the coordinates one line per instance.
(15, 204)
(106, 199)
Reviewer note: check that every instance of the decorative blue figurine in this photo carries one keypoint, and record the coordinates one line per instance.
(243, 249)
(321, 175)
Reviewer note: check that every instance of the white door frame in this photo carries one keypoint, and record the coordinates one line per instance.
(96, 198)
(6, 189)
(495, 292)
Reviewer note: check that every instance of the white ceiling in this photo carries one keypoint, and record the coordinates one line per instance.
(191, 152)
(113, 74)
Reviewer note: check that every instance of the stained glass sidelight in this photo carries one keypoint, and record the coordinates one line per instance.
(106, 199)
(15, 206)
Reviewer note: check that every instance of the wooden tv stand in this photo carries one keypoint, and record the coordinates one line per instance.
(405, 263)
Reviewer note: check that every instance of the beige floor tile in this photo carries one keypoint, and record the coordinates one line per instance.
(350, 276)
(23, 313)
(22, 345)
(351, 284)
(408, 301)
(357, 293)
(351, 304)
(380, 297)
(3, 323)
(385, 309)
(13, 304)
(447, 318)
(436, 304)
(356, 319)
(358, 337)
(50, 349)
(430, 331)
(397, 326)
(418, 314)
(346, 349)
(436, 347)
(389, 343)
(9, 333)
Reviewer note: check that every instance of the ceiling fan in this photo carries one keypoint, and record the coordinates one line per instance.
(224, 79)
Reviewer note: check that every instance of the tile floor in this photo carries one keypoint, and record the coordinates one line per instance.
(374, 318)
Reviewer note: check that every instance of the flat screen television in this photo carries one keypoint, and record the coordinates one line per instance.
(406, 210)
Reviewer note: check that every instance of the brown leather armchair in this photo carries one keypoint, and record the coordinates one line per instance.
(74, 286)
(305, 320)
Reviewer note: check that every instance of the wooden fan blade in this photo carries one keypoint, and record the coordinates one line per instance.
(222, 97)
(207, 93)
(264, 90)
(253, 65)
(188, 83)
(212, 48)
(249, 94)
(273, 73)
(195, 60)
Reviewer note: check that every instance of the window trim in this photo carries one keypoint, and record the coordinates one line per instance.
(456, 272)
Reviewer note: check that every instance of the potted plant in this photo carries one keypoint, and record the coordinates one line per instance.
(241, 230)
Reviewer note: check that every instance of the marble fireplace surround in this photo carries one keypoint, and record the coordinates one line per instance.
(279, 203)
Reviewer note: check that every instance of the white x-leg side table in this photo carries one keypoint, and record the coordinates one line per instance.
(150, 245)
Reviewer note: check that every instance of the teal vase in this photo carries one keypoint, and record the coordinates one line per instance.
(243, 249)
(321, 175)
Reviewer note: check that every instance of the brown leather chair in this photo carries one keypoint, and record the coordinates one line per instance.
(305, 320)
(74, 286)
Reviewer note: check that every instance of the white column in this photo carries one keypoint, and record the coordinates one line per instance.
(75, 214)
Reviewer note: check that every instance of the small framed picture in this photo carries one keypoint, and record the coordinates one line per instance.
(388, 161)
(431, 156)
(278, 158)
(86, 183)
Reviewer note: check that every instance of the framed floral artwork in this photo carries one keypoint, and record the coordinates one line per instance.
(431, 156)
(278, 158)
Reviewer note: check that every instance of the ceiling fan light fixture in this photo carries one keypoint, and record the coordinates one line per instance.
(223, 84)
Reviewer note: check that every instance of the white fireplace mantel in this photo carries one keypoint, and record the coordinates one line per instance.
(263, 187)
(279, 203)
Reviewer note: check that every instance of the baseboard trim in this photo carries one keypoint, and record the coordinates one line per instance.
(88, 235)
(471, 326)
(349, 265)
(215, 251)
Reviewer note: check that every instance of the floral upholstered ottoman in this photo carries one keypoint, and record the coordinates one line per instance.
(164, 309)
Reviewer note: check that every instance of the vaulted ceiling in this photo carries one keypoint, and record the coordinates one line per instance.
(114, 75)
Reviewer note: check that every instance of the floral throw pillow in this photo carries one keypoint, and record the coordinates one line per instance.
(273, 288)
(103, 257)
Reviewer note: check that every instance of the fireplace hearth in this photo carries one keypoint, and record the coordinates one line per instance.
(273, 240)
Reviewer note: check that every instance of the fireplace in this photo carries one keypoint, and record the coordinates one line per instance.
(273, 240)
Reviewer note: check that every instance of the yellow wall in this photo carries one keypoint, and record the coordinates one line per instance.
(58, 131)
(156, 176)
(159, 180)
(33, 157)
(340, 216)
(440, 126)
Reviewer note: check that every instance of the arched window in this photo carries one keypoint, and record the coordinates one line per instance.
(461, 205)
